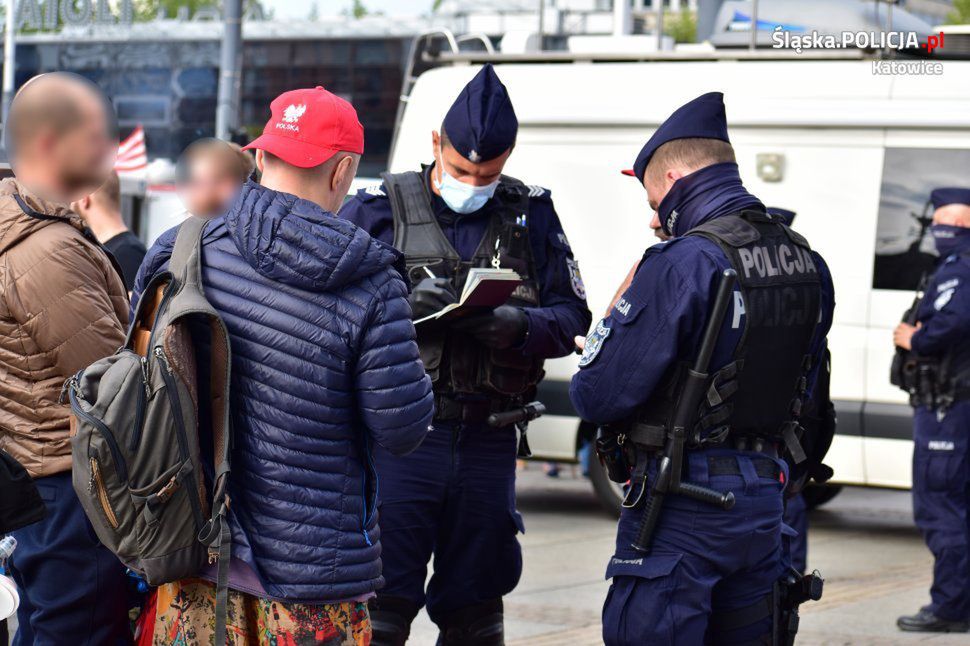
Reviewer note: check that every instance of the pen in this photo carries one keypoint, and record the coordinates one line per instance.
(429, 272)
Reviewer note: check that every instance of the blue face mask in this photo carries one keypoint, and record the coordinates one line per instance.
(950, 239)
(461, 197)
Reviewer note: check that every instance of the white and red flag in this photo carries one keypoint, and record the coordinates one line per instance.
(132, 153)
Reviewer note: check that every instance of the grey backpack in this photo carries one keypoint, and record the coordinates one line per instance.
(137, 465)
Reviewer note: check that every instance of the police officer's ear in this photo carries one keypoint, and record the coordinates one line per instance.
(435, 142)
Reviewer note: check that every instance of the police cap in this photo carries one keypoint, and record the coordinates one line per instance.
(951, 195)
(702, 117)
(481, 124)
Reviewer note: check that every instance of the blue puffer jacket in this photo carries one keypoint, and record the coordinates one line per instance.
(324, 361)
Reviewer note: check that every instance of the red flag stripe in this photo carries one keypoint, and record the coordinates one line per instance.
(132, 153)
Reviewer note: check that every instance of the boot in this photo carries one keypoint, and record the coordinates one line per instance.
(478, 625)
(926, 622)
(390, 620)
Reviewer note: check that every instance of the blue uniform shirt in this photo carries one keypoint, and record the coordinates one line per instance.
(563, 313)
(945, 313)
(659, 322)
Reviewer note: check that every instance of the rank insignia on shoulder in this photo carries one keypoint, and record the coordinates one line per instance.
(594, 343)
(536, 191)
(576, 279)
(376, 190)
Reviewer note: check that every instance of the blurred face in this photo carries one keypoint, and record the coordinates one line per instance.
(464, 171)
(82, 157)
(209, 188)
(956, 215)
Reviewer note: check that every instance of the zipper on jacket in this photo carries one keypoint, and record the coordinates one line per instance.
(173, 397)
(98, 484)
(369, 471)
(105, 432)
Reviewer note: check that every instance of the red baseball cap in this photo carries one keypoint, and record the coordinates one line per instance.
(308, 127)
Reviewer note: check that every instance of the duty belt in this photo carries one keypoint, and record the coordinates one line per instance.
(724, 465)
(472, 411)
(728, 466)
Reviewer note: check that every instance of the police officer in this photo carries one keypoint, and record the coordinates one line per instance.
(708, 574)
(940, 346)
(454, 497)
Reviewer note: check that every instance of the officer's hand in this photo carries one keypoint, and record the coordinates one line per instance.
(580, 342)
(501, 328)
(430, 296)
(903, 335)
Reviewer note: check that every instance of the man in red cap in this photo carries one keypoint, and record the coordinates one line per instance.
(325, 367)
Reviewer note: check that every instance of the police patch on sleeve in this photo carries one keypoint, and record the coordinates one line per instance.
(944, 292)
(594, 343)
(575, 278)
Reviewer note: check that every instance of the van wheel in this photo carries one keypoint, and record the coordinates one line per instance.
(610, 494)
(818, 495)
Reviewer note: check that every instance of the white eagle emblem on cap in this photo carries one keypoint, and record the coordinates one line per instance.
(474, 157)
(292, 113)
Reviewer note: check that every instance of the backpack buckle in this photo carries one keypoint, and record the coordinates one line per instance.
(168, 490)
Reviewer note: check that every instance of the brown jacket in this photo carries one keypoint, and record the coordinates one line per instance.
(62, 307)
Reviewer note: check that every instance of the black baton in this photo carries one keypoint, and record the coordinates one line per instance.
(695, 385)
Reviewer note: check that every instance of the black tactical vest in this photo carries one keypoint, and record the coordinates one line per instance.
(456, 362)
(759, 394)
(936, 381)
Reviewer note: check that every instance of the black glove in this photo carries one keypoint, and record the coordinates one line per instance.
(430, 296)
(502, 328)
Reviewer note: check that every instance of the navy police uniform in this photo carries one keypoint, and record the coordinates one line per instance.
(709, 572)
(453, 498)
(796, 512)
(941, 458)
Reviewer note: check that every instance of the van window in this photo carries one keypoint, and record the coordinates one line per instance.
(904, 248)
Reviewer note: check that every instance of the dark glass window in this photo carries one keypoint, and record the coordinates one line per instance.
(904, 248)
(147, 110)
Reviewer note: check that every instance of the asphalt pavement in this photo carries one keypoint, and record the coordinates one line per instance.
(863, 542)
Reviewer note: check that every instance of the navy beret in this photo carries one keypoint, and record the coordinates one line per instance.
(481, 123)
(702, 117)
(952, 195)
(786, 216)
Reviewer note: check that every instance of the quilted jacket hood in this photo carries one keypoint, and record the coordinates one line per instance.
(296, 242)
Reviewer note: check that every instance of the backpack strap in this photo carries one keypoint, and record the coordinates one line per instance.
(189, 299)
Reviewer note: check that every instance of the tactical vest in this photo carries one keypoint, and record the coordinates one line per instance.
(456, 362)
(759, 394)
(930, 381)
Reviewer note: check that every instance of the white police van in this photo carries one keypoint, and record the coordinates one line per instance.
(854, 152)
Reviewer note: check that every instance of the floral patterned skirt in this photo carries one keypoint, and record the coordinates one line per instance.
(185, 616)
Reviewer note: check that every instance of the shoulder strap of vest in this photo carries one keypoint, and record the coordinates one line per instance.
(731, 230)
(415, 225)
(514, 195)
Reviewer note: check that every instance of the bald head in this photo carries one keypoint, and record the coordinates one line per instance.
(61, 137)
